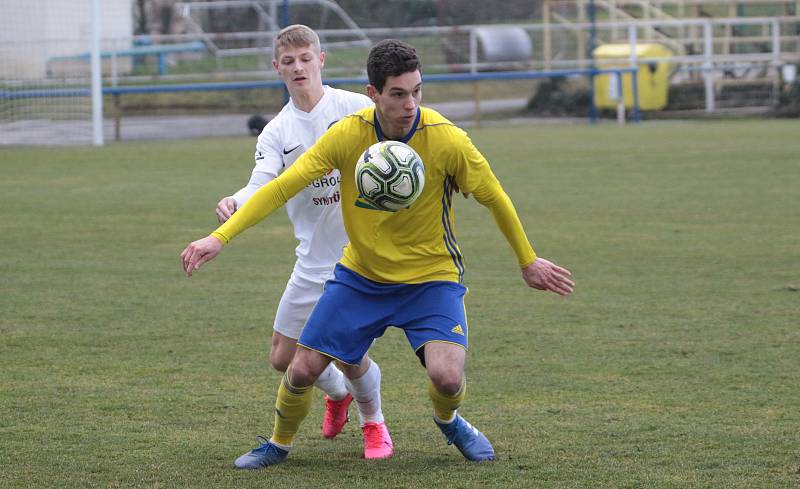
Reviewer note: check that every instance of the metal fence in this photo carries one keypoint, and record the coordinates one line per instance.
(707, 61)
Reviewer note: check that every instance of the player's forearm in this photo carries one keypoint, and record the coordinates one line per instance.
(257, 180)
(508, 221)
(263, 202)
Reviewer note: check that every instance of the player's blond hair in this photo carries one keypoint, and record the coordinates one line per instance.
(296, 36)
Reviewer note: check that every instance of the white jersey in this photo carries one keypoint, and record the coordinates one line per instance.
(316, 211)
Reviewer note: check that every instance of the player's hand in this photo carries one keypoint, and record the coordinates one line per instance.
(225, 209)
(198, 252)
(546, 275)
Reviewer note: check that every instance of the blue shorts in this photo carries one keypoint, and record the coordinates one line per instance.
(353, 311)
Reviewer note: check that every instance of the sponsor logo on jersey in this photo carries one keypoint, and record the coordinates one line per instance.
(330, 179)
(458, 330)
(287, 151)
(329, 200)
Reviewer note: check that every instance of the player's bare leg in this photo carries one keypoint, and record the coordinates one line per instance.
(331, 382)
(292, 405)
(445, 365)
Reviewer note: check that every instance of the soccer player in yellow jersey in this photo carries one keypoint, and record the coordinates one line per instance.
(401, 269)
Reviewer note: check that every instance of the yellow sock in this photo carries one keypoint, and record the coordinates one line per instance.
(444, 407)
(291, 408)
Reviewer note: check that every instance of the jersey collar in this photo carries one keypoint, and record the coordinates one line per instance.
(326, 95)
(404, 139)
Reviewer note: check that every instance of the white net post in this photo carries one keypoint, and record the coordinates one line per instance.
(97, 77)
(708, 66)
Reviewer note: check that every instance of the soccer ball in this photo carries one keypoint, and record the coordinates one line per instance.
(390, 176)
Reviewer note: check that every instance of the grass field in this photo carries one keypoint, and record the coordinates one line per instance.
(674, 365)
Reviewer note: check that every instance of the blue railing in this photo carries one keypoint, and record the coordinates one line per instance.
(250, 85)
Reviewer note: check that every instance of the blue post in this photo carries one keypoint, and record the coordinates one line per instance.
(618, 77)
(139, 61)
(162, 63)
(635, 89)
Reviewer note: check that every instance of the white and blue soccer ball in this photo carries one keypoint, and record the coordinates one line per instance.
(390, 175)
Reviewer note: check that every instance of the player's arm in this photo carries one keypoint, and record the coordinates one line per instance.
(264, 202)
(537, 272)
(268, 163)
(491, 195)
(228, 205)
(474, 175)
(267, 199)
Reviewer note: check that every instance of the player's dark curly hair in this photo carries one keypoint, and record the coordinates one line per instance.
(390, 57)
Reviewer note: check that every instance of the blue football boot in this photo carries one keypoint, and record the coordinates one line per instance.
(263, 456)
(470, 442)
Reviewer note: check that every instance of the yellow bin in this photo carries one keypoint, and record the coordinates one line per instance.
(653, 77)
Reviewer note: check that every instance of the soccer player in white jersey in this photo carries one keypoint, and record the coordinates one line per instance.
(315, 213)
(402, 268)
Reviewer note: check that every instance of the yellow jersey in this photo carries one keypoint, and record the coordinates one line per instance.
(411, 245)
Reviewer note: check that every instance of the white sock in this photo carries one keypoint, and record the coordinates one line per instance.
(331, 382)
(282, 447)
(440, 421)
(366, 390)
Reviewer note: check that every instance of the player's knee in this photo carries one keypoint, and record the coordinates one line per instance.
(281, 352)
(303, 373)
(446, 381)
(279, 362)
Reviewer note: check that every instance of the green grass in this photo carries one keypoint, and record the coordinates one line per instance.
(674, 364)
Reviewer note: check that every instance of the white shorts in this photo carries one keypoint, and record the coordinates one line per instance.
(297, 302)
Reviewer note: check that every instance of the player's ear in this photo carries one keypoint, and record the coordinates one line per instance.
(275, 64)
(372, 92)
(322, 59)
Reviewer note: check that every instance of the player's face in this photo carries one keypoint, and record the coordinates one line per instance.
(397, 104)
(300, 68)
